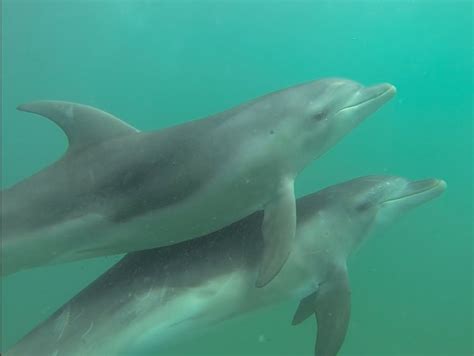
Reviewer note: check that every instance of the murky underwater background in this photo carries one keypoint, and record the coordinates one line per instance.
(158, 63)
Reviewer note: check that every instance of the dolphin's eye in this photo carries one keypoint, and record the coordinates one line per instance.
(361, 207)
(320, 115)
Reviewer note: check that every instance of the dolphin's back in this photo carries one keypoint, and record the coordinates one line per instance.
(147, 167)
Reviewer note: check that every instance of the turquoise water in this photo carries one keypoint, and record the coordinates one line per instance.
(159, 63)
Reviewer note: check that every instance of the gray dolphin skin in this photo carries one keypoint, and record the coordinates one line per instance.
(117, 190)
(151, 297)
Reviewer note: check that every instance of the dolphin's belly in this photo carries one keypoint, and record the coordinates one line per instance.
(191, 310)
(145, 318)
(95, 235)
(147, 301)
(110, 319)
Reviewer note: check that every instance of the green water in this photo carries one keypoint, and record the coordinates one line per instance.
(157, 63)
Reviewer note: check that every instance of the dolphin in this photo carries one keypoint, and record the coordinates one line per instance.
(150, 297)
(117, 190)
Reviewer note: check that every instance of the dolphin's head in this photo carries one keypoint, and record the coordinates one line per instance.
(312, 117)
(355, 207)
(390, 197)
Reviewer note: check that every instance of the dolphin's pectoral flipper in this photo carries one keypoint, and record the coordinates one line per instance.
(279, 225)
(82, 124)
(331, 304)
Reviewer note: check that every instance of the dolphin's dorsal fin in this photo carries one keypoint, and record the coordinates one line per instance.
(83, 125)
(331, 304)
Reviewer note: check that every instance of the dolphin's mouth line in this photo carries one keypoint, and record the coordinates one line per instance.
(365, 101)
(435, 185)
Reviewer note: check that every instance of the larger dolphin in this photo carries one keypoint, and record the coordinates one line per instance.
(118, 190)
(151, 296)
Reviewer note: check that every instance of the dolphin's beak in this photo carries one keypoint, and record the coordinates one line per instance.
(419, 192)
(375, 95)
(375, 92)
(368, 99)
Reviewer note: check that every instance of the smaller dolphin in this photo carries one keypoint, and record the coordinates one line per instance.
(117, 190)
(151, 296)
